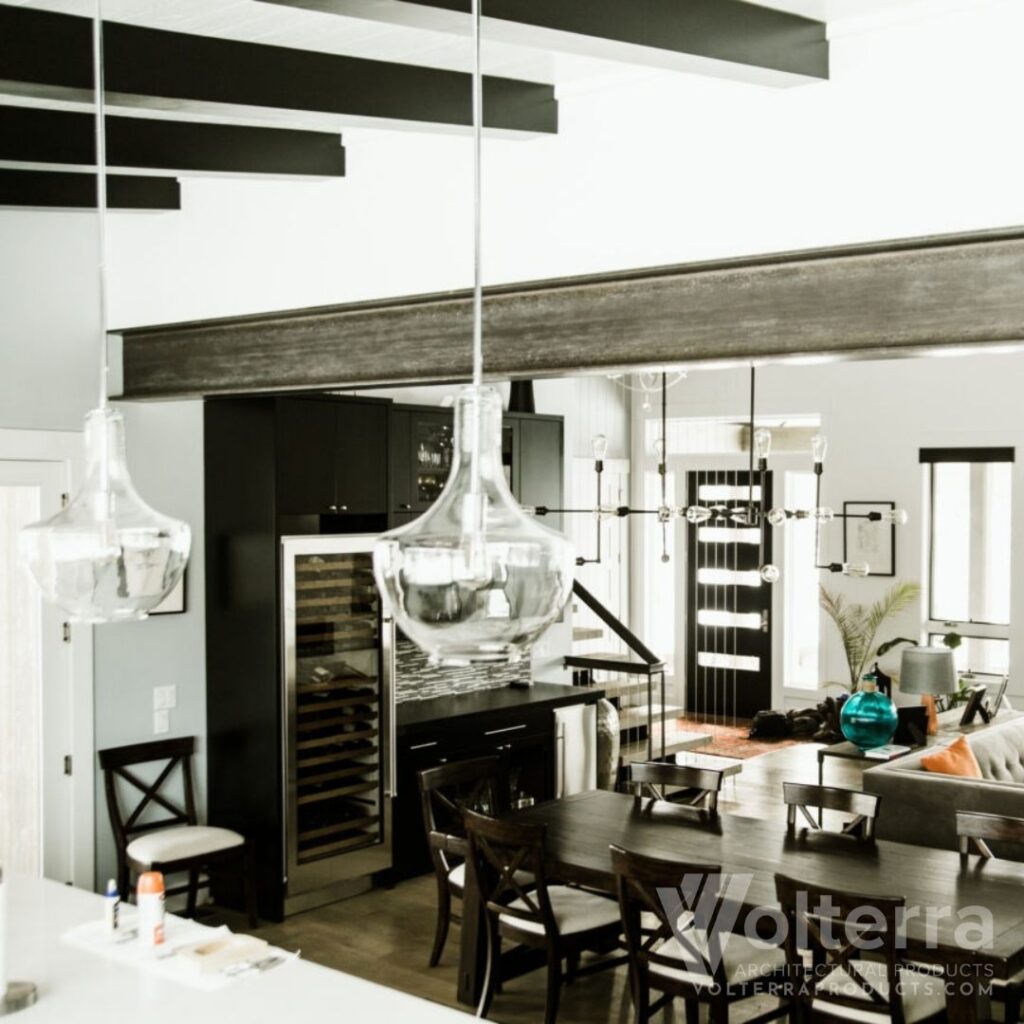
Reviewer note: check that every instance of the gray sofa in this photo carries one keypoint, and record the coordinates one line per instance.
(919, 807)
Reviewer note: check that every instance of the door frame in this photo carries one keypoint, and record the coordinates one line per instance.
(65, 448)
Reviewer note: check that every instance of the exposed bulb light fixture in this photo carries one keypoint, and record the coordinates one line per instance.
(762, 443)
(599, 446)
(858, 569)
(475, 579)
(819, 449)
(107, 556)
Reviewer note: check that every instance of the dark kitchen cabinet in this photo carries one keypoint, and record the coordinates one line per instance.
(331, 456)
(540, 464)
(273, 466)
(420, 454)
(521, 737)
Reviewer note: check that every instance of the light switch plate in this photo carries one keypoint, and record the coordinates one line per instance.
(165, 697)
(161, 722)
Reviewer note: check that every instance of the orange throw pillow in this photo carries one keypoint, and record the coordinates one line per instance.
(956, 759)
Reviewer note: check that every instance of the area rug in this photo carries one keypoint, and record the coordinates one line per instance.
(729, 738)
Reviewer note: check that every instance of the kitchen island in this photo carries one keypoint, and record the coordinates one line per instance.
(79, 987)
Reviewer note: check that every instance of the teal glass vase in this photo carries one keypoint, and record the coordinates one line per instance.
(868, 718)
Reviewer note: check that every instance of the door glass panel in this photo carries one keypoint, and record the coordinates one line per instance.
(21, 677)
(432, 451)
(740, 662)
(729, 578)
(337, 704)
(737, 620)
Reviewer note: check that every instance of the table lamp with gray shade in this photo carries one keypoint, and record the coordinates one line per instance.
(930, 672)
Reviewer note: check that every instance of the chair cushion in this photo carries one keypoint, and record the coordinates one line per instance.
(167, 844)
(457, 877)
(956, 759)
(575, 911)
(923, 994)
(744, 960)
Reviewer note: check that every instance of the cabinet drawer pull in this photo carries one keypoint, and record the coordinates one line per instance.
(423, 746)
(508, 728)
(405, 507)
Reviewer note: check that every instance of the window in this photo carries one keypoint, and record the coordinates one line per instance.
(800, 582)
(970, 499)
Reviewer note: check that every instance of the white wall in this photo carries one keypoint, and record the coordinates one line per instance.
(165, 457)
(877, 416)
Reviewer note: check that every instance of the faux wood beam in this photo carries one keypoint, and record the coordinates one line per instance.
(66, 190)
(728, 38)
(869, 300)
(30, 135)
(48, 56)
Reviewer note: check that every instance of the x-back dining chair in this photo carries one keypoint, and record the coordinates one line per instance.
(800, 798)
(696, 787)
(564, 922)
(979, 830)
(445, 793)
(177, 842)
(836, 928)
(677, 951)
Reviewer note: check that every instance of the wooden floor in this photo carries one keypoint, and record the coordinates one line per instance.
(385, 936)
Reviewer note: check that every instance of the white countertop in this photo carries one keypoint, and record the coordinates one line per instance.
(78, 987)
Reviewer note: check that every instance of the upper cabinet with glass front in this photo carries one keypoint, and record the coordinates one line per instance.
(420, 459)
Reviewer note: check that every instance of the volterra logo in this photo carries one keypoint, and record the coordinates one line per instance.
(706, 912)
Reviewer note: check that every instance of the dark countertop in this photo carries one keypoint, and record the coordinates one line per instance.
(414, 713)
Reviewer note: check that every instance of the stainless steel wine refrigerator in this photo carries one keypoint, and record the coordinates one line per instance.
(339, 718)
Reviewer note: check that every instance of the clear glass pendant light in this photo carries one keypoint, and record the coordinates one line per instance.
(475, 579)
(107, 556)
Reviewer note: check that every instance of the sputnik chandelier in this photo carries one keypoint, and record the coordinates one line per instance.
(748, 514)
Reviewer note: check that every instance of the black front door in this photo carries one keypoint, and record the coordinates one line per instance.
(728, 632)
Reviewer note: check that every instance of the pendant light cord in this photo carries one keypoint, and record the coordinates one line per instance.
(478, 120)
(101, 194)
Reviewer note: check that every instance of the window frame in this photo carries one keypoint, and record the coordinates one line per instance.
(969, 629)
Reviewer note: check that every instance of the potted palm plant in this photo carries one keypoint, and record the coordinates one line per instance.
(858, 624)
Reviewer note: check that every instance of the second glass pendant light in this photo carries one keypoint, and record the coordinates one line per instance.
(475, 579)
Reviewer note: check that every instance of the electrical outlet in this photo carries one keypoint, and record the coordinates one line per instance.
(165, 697)
(161, 722)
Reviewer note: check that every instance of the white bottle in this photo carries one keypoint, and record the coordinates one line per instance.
(112, 907)
(150, 898)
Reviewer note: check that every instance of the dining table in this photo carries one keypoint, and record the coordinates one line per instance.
(948, 895)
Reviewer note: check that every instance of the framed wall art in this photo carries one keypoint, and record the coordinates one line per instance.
(867, 540)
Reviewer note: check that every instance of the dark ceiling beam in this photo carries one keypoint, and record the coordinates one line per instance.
(730, 38)
(69, 191)
(31, 135)
(892, 298)
(48, 56)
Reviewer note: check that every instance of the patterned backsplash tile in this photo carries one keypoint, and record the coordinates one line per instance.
(418, 680)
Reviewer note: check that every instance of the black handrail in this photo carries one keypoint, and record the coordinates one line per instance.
(629, 638)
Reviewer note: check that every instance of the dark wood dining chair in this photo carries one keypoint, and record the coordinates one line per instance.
(562, 921)
(841, 984)
(674, 949)
(694, 787)
(445, 792)
(800, 798)
(978, 830)
(175, 843)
